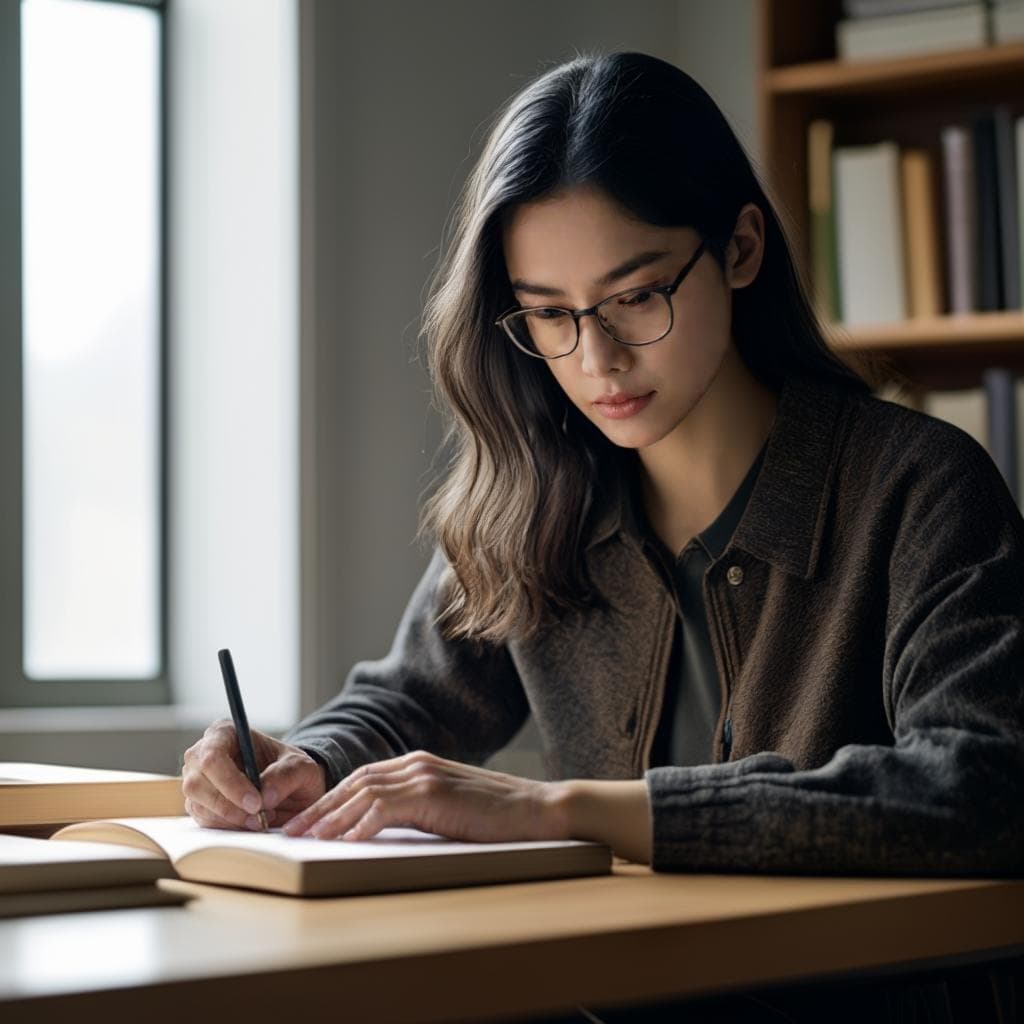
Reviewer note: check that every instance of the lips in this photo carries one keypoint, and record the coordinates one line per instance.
(619, 398)
(622, 404)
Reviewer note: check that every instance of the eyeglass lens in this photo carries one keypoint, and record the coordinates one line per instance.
(636, 317)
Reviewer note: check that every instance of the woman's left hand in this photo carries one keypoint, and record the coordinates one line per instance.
(423, 791)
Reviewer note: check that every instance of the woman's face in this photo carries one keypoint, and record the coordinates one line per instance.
(567, 244)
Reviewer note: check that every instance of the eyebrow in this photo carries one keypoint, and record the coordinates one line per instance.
(641, 259)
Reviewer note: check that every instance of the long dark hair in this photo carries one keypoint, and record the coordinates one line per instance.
(511, 512)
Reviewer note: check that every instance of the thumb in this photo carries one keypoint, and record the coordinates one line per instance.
(294, 778)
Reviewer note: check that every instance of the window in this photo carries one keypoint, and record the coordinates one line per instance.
(84, 547)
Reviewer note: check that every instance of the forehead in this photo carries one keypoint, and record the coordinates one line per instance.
(576, 236)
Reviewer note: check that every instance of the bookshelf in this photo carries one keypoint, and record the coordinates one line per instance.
(906, 100)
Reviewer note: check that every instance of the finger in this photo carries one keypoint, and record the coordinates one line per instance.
(215, 760)
(292, 772)
(301, 822)
(368, 811)
(371, 774)
(207, 818)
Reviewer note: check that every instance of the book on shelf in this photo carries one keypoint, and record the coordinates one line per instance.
(821, 195)
(921, 245)
(988, 412)
(39, 795)
(395, 860)
(905, 30)
(961, 218)
(870, 234)
(40, 877)
(879, 221)
(1007, 21)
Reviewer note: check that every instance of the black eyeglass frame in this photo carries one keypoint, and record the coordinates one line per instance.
(668, 290)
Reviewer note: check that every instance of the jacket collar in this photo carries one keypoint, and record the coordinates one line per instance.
(783, 523)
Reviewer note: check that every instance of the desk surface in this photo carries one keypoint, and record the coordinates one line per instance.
(488, 952)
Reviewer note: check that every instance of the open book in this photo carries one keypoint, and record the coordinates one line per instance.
(397, 859)
(37, 876)
(50, 794)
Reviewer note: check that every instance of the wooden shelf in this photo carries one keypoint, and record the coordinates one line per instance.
(976, 329)
(884, 76)
(908, 100)
(940, 353)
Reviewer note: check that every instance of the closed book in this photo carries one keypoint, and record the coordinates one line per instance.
(882, 8)
(921, 242)
(870, 233)
(988, 251)
(905, 35)
(1008, 203)
(1008, 22)
(47, 794)
(395, 860)
(1001, 395)
(38, 876)
(963, 407)
(1019, 133)
(961, 218)
(824, 267)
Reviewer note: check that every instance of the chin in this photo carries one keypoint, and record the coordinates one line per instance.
(632, 435)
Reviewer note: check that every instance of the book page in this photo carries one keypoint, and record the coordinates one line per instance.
(28, 850)
(180, 836)
(20, 773)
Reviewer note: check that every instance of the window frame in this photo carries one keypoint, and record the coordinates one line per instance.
(16, 689)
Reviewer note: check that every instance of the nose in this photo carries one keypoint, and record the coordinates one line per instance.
(602, 354)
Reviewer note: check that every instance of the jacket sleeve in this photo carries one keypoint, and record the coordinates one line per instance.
(947, 797)
(460, 700)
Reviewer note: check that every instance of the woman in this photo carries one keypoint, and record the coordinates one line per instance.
(764, 621)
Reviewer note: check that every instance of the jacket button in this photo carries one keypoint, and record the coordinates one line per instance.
(735, 575)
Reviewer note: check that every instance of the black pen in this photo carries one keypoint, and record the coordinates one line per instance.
(227, 669)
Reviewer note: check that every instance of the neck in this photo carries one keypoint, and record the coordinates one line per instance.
(691, 474)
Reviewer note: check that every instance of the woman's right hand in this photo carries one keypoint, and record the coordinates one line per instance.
(219, 795)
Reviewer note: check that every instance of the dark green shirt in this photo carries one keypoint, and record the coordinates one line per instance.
(693, 698)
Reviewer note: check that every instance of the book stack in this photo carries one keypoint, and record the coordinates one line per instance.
(899, 233)
(873, 29)
(879, 214)
(93, 864)
(40, 877)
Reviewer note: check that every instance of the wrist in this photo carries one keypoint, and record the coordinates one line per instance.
(614, 812)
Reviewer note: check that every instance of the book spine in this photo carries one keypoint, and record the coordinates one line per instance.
(823, 232)
(961, 225)
(986, 185)
(1000, 389)
(1007, 204)
(869, 224)
(921, 246)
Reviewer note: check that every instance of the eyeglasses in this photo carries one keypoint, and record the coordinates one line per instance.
(637, 316)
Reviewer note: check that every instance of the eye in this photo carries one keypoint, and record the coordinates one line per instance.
(635, 299)
(547, 313)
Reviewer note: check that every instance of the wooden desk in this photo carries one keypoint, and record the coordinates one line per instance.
(485, 953)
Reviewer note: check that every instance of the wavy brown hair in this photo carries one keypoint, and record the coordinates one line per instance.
(511, 513)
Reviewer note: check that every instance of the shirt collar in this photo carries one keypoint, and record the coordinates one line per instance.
(783, 521)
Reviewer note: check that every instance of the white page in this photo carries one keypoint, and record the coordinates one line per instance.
(28, 850)
(179, 836)
(20, 773)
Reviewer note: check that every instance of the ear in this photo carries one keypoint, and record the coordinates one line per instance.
(745, 250)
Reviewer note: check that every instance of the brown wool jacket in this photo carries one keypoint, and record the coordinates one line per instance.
(867, 620)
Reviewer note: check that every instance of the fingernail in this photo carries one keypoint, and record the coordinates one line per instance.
(251, 803)
(269, 797)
